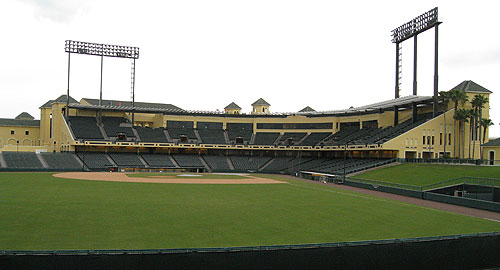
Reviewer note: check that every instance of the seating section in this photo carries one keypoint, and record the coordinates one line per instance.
(291, 138)
(61, 161)
(217, 162)
(101, 161)
(188, 161)
(177, 129)
(365, 136)
(277, 164)
(239, 130)
(22, 160)
(211, 132)
(117, 125)
(95, 160)
(265, 138)
(336, 166)
(155, 135)
(127, 159)
(85, 128)
(245, 163)
(162, 161)
(314, 138)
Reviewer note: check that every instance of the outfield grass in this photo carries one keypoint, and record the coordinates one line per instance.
(40, 212)
(426, 174)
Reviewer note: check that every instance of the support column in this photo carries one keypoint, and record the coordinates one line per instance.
(133, 91)
(396, 90)
(100, 93)
(414, 106)
(67, 94)
(415, 65)
(435, 97)
(396, 115)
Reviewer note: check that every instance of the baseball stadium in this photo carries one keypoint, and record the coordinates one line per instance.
(409, 177)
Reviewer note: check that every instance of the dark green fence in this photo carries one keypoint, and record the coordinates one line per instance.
(487, 188)
(477, 251)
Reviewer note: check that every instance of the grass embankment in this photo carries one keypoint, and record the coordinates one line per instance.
(426, 174)
(40, 212)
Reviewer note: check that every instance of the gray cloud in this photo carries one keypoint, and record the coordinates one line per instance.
(473, 58)
(61, 11)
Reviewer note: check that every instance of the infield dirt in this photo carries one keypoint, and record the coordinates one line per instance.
(123, 177)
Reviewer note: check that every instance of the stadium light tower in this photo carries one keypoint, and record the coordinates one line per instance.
(411, 29)
(102, 50)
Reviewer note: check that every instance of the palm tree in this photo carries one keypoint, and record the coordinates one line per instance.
(458, 97)
(445, 97)
(478, 102)
(485, 123)
(472, 119)
(461, 116)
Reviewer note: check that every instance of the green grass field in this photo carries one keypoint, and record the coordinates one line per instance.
(426, 174)
(40, 212)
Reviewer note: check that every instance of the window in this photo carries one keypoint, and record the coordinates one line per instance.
(27, 132)
(449, 138)
(432, 140)
(440, 138)
(12, 132)
(423, 139)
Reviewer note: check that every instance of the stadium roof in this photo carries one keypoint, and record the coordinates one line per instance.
(402, 102)
(232, 106)
(24, 116)
(261, 102)
(307, 109)
(381, 106)
(19, 122)
(60, 99)
(495, 142)
(121, 103)
(470, 86)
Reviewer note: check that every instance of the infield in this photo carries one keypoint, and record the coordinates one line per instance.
(168, 178)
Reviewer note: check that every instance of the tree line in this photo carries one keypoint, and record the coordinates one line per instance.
(478, 124)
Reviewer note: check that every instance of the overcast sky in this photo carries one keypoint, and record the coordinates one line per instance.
(205, 54)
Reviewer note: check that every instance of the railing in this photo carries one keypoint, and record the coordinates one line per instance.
(376, 183)
(450, 161)
(479, 181)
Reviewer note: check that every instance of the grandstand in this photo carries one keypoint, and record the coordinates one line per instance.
(165, 136)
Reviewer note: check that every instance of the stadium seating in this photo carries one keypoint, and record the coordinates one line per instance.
(22, 160)
(211, 132)
(217, 162)
(61, 161)
(158, 161)
(127, 159)
(155, 135)
(277, 164)
(245, 163)
(314, 138)
(95, 160)
(85, 128)
(181, 129)
(117, 125)
(291, 138)
(239, 130)
(188, 161)
(265, 138)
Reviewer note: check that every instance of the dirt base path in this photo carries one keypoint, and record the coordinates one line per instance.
(425, 203)
(122, 177)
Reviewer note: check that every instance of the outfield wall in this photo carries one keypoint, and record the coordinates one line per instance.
(479, 251)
